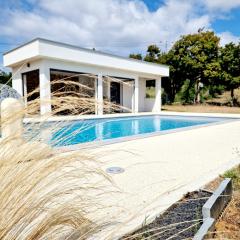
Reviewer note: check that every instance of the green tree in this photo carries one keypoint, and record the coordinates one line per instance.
(172, 84)
(195, 58)
(194, 67)
(136, 56)
(153, 54)
(230, 64)
(5, 78)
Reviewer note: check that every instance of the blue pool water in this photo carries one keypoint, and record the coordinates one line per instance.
(84, 131)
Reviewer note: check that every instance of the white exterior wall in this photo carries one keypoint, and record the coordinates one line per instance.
(42, 48)
(145, 104)
(127, 92)
(136, 94)
(128, 99)
(45, 88)
(69, 66)
(157, 100)
(100, 94)
(17, 74)
(45, 55)
(132, 99)
(142, 89)
(149, 104)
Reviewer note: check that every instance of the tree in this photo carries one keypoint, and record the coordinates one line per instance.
(153, 53)
(194, 58)
(230, 64)
(136, 56)
(5, 78)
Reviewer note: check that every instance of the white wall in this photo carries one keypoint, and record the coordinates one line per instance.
(148, 104)
(41, 48)
(74, 54)
(144, 105)
(142, 89)
(127, 91)
(17, 74)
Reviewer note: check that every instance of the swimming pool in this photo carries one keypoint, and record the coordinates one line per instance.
(123, 128)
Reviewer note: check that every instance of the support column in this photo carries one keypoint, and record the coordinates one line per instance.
(45, 89)
(158, 100)
(96, 95)
(24, 88)
(100, 94)
(136, 94)
(17, 82)
(109, 107)
(109, 89)
(132, 90)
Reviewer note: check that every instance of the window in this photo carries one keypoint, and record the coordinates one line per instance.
(150, 88)
(31, 91)
(75, 84)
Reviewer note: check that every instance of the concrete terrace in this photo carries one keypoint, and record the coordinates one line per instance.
(160, 169)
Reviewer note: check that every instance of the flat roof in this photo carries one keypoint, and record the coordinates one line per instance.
(44, 48)
(80, 48)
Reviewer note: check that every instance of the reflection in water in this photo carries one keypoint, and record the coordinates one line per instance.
(103, 129)
(135, 127)
(157, 124)
(99, 131)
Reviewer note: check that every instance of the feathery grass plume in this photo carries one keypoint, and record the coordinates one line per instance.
(48, 194)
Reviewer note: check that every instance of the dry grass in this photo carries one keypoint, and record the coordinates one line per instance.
(228, 227)
(215, 105)
(52, 195)
(201, 108)
(225, 98)
(46, 194)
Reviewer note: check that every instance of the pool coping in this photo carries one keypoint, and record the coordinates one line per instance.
(100, 143)
(116, 115)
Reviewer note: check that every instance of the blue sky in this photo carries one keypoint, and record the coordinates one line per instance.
(153, 5)
(230, 23)
(117, 26)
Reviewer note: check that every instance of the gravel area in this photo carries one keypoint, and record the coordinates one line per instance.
(180, 221)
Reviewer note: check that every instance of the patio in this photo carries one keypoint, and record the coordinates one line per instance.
(153, 181)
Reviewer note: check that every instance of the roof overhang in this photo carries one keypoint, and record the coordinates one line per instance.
(42, 48)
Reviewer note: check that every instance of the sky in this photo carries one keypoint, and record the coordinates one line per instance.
(116, 26)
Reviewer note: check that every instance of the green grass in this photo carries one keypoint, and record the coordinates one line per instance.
(235, 175)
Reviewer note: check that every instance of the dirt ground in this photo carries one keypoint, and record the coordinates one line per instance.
(228, 225)
(215, 105)
(202, 108)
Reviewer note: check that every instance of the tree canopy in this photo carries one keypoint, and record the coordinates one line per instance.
(5, 78)
(230, 66)
(199, 67)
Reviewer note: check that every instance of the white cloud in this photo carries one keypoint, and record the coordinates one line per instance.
(221, 5)
(117, 25)
(120, 26)
(227, 37)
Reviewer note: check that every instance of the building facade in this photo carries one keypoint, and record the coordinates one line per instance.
(135, 85)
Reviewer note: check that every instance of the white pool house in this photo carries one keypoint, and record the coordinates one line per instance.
(40, 61)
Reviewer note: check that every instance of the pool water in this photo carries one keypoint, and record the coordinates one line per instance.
(85, 131)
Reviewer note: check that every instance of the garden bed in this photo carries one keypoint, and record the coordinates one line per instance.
(182, 220)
